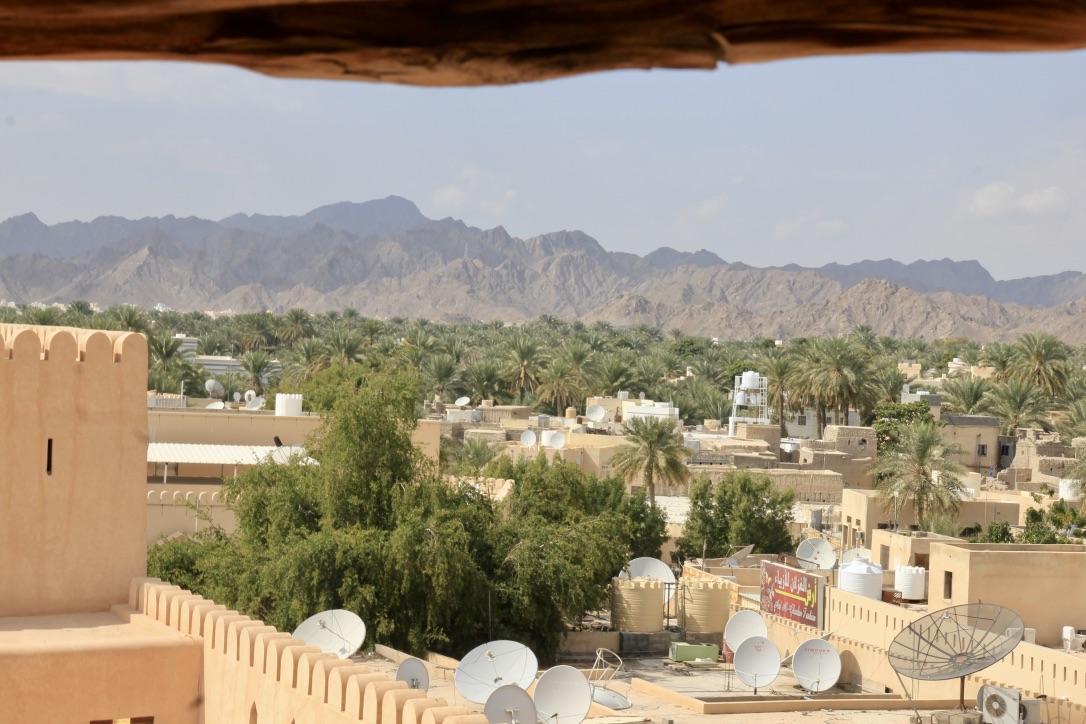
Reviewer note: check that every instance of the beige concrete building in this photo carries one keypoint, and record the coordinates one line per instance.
(978, 437)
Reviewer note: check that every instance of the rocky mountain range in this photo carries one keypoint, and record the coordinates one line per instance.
(385, 258)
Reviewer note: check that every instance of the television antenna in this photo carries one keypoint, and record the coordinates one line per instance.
(757, 662)
(336, 632)
(492, 665)
(606, 666)
(462, 401)
(527, 438)
(816, 554)
(816, 665)
(596, 413)
(414, 672)
(954, 643)
(562, 696)
(510, 704)
(742, 626)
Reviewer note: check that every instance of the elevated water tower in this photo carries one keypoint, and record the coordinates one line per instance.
(750, 400)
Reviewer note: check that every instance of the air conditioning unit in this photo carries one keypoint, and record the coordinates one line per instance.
(998, 705)
(1029, 711)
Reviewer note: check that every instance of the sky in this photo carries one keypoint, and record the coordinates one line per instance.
(965, 156)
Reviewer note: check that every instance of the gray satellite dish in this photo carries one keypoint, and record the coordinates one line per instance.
(607, 664)
(562, 696)
(596, 413)
(414, 672)
(558, 440)
(642, 395)
(736, 559)
(816, 665)
(237, 397)
(955, 642)
(216, 405)
(853, 553)
(462, 401)
(250, 395)
(510, 704)
(527, 438)
(757, 662)
(492, 665)
(816, 554)
(336, 632)
(214, 388)
(742, 626)
(254, 404)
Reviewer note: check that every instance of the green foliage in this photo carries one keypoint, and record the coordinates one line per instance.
(918, 466)
(742, 509)
(655, 453)
(999, 531)
(890, 416)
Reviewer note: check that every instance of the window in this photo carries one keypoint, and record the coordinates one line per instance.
(1004, 450)
(948, 584)
(801, 420)
(49, 457)
(982, 451)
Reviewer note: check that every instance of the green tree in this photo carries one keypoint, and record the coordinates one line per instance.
(966, 395)
(655, 453)
(1019, 403)
(891, 416)
(918, 466)
(742, 509)
(1042, 360)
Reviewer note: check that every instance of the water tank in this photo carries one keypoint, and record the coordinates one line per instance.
(706, 606)
(861, 577)
(1069, 489)
(287, 405)
(546, 437)
(637, 605)
(544, 421)
(750, 379)
(912, 582)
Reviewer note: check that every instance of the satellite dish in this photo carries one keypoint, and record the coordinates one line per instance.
(742, 626)
(216, 405)
(214, 388)
(336, 632)
(250, 395)
(527, 438)
(486, 668)
(596, 413)
(254, 404)
(816, 554)
(462, 401)
(816, 665)
(955, 642)
(998, 704)
(853, 553)
(558, 440)
(237, 397)
(642, 395)
(757, 662)
(414, 672)
(562, 696)
(607, 664)
(737, 559)
(510, 704)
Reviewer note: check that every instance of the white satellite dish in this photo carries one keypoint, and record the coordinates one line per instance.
(250, 395)
(737, 558)
(816, 554)
(414, 672)
(641, 395)
(527, 438)
(596, 413)
(558, 440)
(237, 397)
(757, 662)
(254, 404)
(816, 665)
(742, 626)
(492, 665)
(336, 632)
(510, 704)
(216, 405)
(998, 704)
(653, 569)
(853, 553)
(214, 388)
(462, 401)
(562, 696)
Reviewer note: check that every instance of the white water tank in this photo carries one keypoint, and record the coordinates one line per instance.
(1068, 489)
(862, 577)
(750, 380)
(912, 582)
(287, 405)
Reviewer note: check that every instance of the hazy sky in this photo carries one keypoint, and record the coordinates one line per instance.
(809, 161)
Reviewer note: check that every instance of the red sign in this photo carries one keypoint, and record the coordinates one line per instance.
(792, 594)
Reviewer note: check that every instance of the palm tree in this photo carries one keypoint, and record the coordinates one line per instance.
(558, 384)
(1019, 404)
(259, 367)
(835, 377)
(441, 372)
(655, 453)
(1042, 360)
(44, 316)
(482, 380)
(966, 395)
(294, 325)
(778, 367)
(919, 466)
(307, 357)
(471, 455)
(344, 346)
(129, 318)
(998, 356)
(614, 372)
(523, 362)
